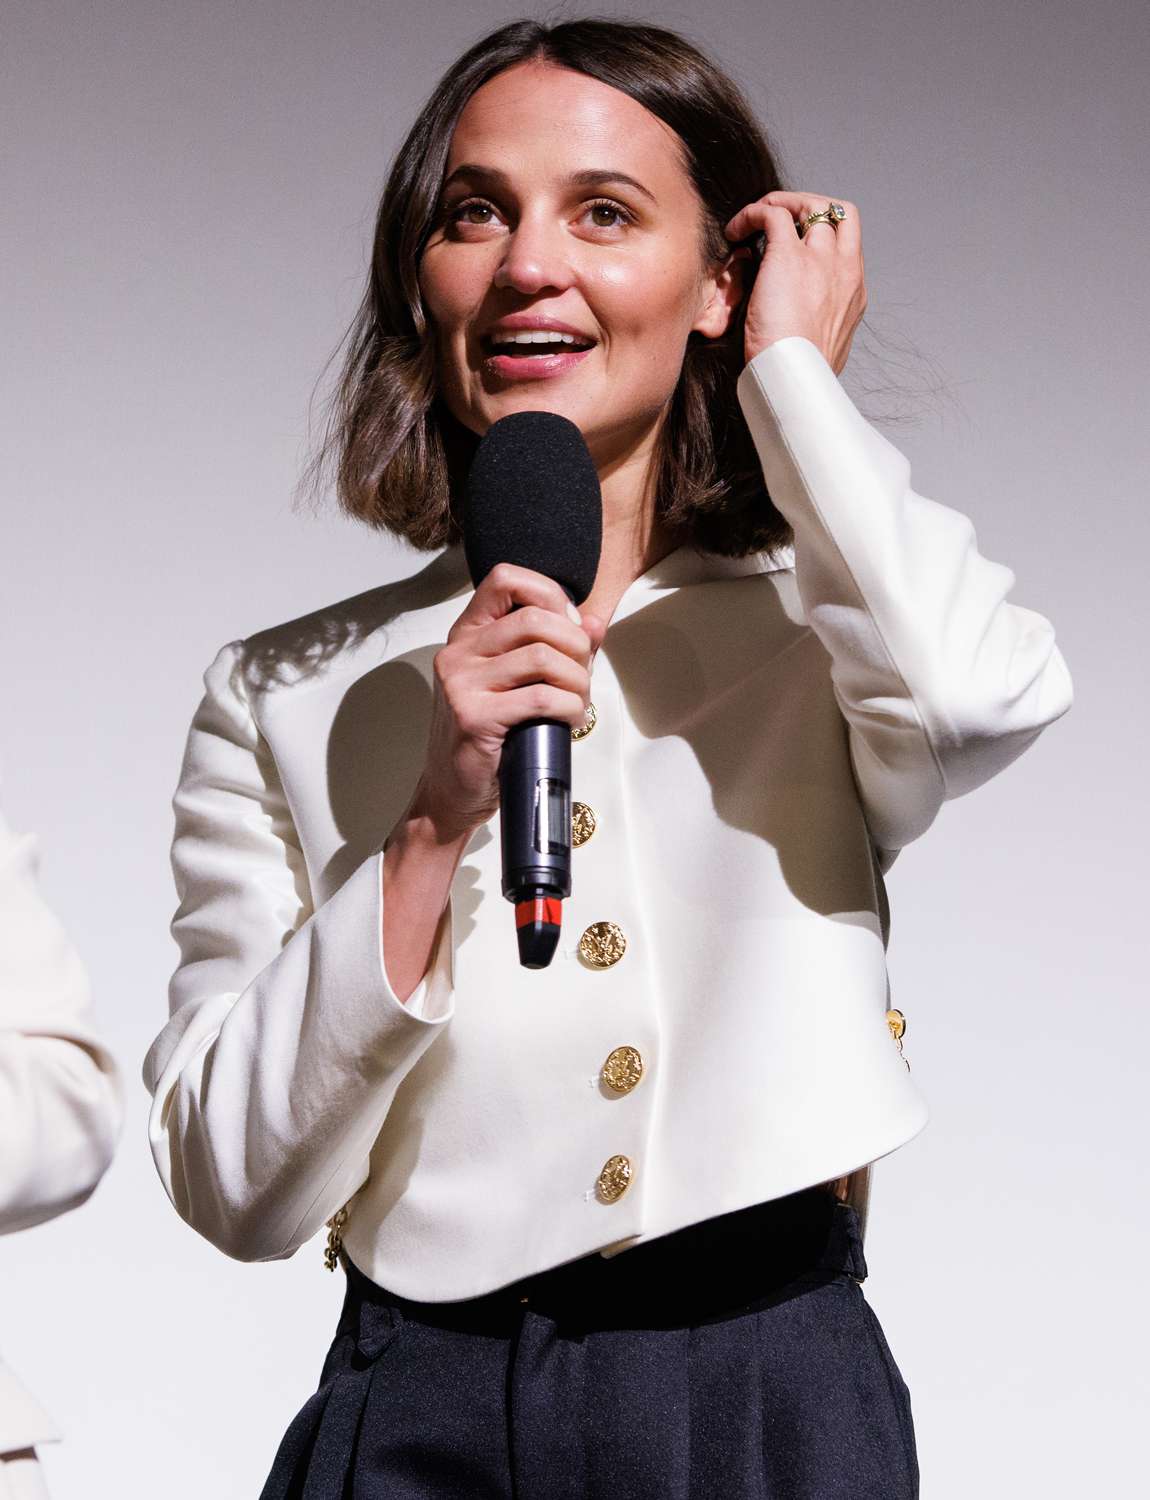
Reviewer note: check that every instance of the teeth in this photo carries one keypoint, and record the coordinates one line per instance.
(532, 337)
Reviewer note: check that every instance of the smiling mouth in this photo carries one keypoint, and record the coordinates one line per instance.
(535, 345)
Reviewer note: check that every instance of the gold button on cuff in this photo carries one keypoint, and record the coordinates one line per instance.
(602, 944)
(614, 1179)
(591, 719)
(623, 1069)
(583, 823)
(897, 1023)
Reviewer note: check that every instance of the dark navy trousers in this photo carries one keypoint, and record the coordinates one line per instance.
(736, 1359)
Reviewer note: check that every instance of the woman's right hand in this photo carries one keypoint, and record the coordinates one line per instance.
(500, 666)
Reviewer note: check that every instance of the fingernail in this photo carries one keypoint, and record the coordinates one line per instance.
(573, 613)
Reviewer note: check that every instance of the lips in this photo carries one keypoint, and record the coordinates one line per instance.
(534, 325)
(542, 362)
(530, 342)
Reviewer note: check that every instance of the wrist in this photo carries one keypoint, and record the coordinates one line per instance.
(423, 827)
(756, 346)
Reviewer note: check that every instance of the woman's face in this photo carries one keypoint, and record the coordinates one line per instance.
(567, 209)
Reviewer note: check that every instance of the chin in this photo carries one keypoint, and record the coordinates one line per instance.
(531, 398)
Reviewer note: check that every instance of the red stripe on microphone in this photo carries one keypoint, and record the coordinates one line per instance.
(539, 909)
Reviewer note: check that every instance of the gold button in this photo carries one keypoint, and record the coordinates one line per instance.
(623, 1069)
(615, 1178)
(583, 822)
(591, 719)
(602, 944)
(897, 1023)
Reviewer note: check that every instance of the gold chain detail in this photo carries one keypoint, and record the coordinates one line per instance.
(334, 1238)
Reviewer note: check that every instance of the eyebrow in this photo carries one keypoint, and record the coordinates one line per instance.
(592, 177)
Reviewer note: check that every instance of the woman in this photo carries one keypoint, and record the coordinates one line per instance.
(587, 1214)
(61, 1104)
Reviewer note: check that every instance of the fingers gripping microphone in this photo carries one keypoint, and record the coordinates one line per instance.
(533, 499)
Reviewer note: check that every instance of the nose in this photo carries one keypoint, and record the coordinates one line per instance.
(535, 259)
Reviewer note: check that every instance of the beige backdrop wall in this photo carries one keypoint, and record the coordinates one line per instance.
(187, 193)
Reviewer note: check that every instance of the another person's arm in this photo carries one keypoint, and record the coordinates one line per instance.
(61, 1102)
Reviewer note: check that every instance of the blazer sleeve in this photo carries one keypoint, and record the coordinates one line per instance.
(286, 1042)
(61, 1096)
(941, 680)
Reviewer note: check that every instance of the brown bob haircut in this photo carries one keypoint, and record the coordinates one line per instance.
(399, 458)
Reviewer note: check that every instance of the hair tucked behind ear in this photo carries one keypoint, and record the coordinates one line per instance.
(399, 457)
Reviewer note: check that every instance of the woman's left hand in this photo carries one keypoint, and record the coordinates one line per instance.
(811, 286)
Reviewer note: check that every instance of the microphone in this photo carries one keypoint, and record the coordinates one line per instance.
(533, 498)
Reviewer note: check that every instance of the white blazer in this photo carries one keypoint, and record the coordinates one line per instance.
(61, 1097)
(770, 732)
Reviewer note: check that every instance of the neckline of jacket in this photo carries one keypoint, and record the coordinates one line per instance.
(681, 567)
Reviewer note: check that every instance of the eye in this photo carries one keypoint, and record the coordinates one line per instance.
(479, 213)
(615, 215)
(463, 212)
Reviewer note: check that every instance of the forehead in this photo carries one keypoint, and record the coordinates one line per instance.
(538, 116)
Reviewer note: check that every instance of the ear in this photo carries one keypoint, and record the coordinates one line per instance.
(721, 293)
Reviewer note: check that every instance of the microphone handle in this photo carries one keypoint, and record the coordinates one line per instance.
(535, 830)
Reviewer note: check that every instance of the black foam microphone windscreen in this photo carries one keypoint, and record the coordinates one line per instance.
(533, 499)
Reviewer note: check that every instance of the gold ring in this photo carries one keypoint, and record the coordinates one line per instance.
(833, 214)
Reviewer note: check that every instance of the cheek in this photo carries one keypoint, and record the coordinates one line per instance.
(648, 306)
(447, 293)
